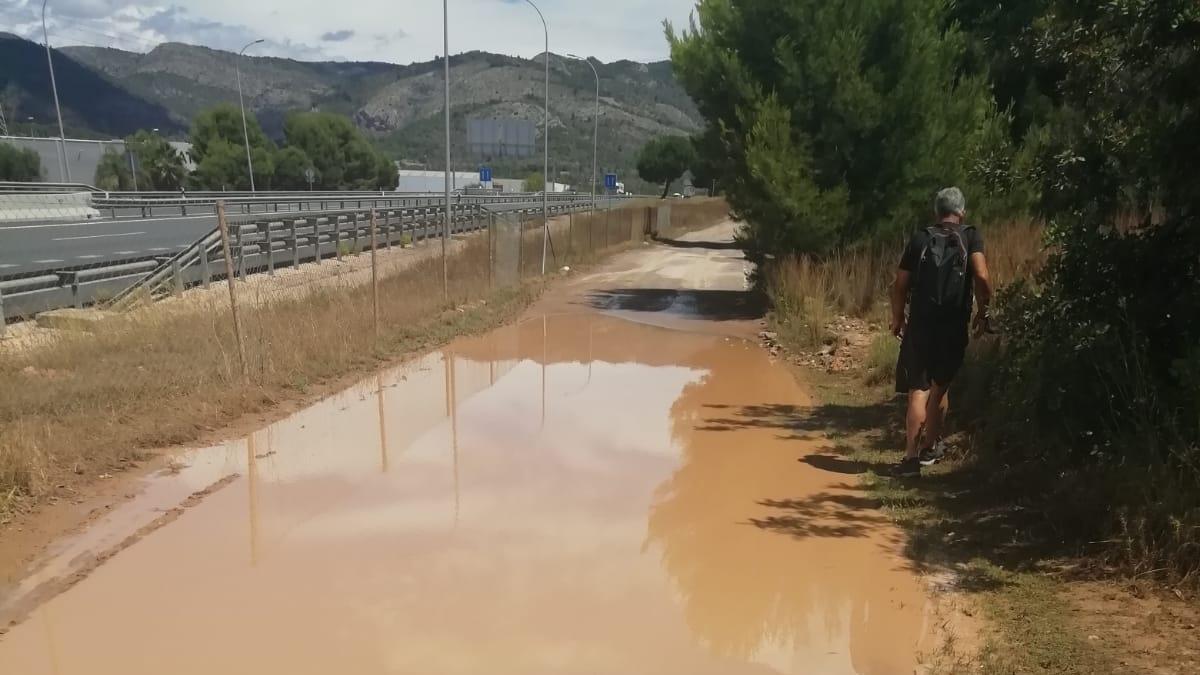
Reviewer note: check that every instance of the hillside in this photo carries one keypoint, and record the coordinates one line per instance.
(401, 106)
(91, 104)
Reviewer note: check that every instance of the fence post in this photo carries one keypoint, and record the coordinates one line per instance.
(357, 227)
(177, 273)
(387, 230)
(237, 325)
(270, 252)
(491, 222)
(295, 245)
(337, 236)
(3, 321)
(374, 281)
(205, 273)
(241, 254)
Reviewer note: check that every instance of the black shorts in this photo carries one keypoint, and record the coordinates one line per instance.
(930, 353)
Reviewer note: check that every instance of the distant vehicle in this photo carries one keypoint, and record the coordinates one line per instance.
(676, 196)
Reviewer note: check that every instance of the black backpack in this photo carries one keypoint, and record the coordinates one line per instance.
(942, 274)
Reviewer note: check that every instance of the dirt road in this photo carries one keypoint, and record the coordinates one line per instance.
(620, 483)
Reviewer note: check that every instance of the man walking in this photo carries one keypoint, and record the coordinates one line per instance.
(940, 267)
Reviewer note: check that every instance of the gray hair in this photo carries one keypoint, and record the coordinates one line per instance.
(950, 201)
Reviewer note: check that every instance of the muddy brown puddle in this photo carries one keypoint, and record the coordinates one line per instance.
(574, 494)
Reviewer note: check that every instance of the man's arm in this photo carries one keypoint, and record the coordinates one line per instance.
(899, 300)
(983, 292)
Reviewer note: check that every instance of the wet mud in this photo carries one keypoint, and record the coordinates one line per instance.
(574, 494)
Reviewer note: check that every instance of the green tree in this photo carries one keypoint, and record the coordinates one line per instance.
(341, 155)
(223, 167)
(535, 182)
(839, 119)
(291, 163)
(664, 160)
(159, 166)
(112, 172)
(19, 164)
(214, 133)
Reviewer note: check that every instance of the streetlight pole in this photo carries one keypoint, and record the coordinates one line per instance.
(242, 104)
(63, 169)
(595, 126)
(446, 205)
(546, 145)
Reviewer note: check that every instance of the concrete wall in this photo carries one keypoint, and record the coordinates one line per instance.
(434, 181)
(32, 207)
(82, 156)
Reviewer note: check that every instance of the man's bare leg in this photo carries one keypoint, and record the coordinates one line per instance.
(918, 402)
(936, 406)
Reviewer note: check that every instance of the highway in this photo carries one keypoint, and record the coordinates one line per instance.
(26, 249)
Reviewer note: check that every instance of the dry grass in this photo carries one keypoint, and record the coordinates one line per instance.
(91, 403)
(881, 358)
(855, 282)
(691, 214)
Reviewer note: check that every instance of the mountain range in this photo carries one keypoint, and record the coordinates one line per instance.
(111, 92)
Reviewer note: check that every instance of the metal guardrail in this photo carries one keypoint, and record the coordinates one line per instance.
(19, 187)
(118, 205)
(262, 242)
(265, 244)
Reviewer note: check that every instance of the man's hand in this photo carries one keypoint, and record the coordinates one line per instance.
(982, 323)
(898, 325)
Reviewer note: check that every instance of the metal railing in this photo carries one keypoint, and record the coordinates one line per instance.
(266, 244)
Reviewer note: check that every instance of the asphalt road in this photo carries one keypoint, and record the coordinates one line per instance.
(26, 249)
(29, 248)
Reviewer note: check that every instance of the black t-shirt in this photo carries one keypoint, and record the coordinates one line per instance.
(973, 241)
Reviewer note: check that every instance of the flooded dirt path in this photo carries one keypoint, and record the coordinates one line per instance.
(577, 493)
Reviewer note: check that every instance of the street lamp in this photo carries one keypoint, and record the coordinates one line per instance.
(546, 144)
(241, 104)
(446, 204)
(595, 127)
(63, 169)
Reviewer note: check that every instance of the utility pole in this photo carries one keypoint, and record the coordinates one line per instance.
(546, 145)
(63, 166)
(241, 104)
(446, 205)
(595, 126)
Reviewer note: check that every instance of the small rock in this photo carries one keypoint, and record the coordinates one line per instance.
(769, 335)
(1093, 637)
(827, 350)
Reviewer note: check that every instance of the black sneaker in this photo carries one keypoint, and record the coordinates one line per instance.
(907, 468)
(933, 454)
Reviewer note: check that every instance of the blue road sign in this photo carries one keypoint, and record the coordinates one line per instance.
(485, 174)
(610, 181)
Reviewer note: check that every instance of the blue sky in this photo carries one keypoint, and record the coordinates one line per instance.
(399, 31)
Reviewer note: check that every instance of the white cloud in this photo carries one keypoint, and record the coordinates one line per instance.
(378, 30)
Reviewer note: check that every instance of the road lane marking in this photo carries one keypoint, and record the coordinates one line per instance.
(4, 266)
(46, 262)
(99, 236)
(160, 249)
(86, 257)
(124, 252)
(106, 222)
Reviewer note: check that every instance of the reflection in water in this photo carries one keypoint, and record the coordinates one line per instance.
(383, 450)
(762, 595)
(600, 525)
(252, 483)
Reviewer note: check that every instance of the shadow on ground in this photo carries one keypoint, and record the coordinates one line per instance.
(711, 245)
(956, 514)
(710, 305)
